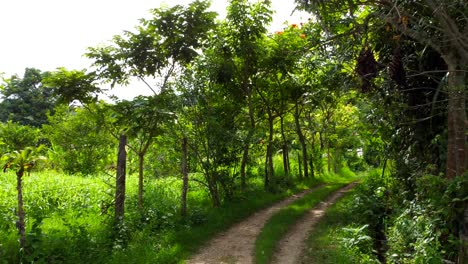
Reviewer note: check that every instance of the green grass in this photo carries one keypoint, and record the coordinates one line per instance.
(69, 218)
(279, 224)
(325, 242)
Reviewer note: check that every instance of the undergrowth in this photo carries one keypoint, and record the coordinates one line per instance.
(337, 239)
(70, 218)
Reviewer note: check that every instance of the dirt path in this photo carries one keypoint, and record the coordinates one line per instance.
(236, 245)
(291, 245)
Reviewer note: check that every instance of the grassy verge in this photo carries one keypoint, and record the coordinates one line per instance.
(69, 218)
(186, 236)
(323, 244)
(279, 224)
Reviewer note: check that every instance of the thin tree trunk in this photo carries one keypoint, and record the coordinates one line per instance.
(311, 161)
(21, 215)
(214, 192)
(245, 157)
(301, 140)
(269, 168)
(299, 161)
(336, 160)
(285, 149)
(328, 156)
(183, 208)
(245, 154)
(141, 160)
(120, 180)
(321, 142)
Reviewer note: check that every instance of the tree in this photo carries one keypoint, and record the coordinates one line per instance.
(185, 178)
(209, 113)
(440, 26)
(21, 161)
(80, 143)
(26, 100)
(160, 45)
(276, 86)
(120, 180)
(142, 120)
(423, 27)
(69, 85)
(245, 28)
(158, 49)
(15, 136)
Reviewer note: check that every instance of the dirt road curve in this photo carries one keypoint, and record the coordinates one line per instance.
(291, 245)
(236, 245)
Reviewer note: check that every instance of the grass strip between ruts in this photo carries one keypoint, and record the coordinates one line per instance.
(323, 243)
(278, 225)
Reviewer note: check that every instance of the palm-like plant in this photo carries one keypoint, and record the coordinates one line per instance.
(21, 162)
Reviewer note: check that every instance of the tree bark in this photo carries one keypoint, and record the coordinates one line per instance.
(245, 154)
(285, 149)
(328, 155)
(301, 140)
(21, 215)
(120, 180)
(269, 168)
(141, 162)
(214, 192)
(183, 207)
(457, 123)
(299, 162)
(457, 142)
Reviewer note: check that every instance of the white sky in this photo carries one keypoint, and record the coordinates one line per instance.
(47, 34)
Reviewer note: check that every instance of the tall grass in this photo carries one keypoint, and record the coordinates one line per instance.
(69, 218)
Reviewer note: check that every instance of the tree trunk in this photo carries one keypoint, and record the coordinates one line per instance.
(457, 143)
(328, 155)
(120, 180)
(457, 123)
(311, 166)
(245, 154)
(299, 162)
(336, 160)
(269, 169)
(285, 149)
(245, 157)
(214, 192)
(301, 140)
(183, 207)
(141, 160)
(21, 215)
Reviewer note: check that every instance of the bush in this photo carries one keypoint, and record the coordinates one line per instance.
(425, 230)
(14, 136)
(79, 141)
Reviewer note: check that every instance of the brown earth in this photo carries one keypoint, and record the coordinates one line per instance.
(291, 246)
(236, 245)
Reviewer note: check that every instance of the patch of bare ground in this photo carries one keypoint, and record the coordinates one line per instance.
(291, 246)
(236, 245)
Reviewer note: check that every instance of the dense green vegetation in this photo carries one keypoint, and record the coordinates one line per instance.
(70, 220)
(239, 118)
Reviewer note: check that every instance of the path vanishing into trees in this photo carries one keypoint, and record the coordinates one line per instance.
(237, 244)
